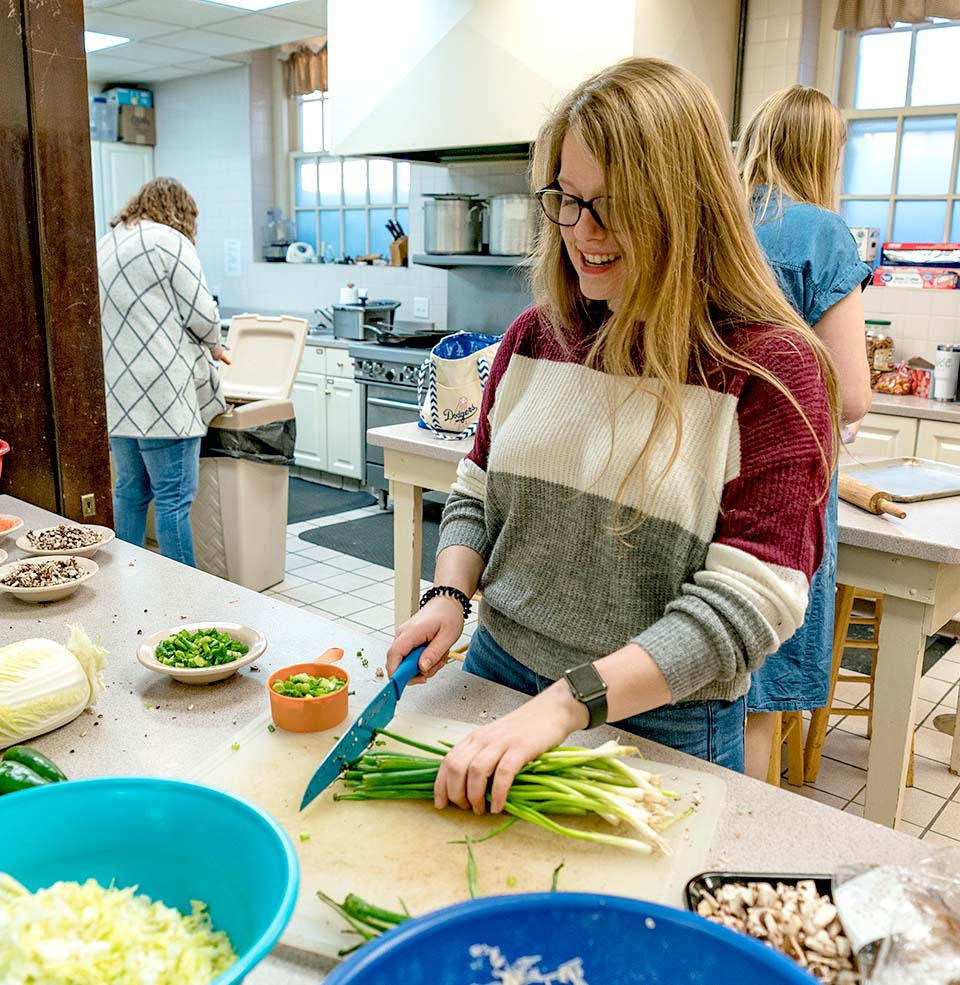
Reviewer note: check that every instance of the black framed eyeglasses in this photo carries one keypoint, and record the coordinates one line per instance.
(565, 209)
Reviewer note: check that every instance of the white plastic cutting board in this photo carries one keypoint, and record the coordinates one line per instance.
(385, 851)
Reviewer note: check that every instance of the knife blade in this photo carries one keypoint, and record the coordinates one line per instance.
(377, 714)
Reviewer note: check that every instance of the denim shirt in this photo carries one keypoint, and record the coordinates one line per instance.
(811, 251)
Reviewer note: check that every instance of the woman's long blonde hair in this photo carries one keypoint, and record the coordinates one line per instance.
(691, 264)
(792, 145)
(161, 200)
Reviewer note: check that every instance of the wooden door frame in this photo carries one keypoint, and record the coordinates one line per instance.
(52, 404)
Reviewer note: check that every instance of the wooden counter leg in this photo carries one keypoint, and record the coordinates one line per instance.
(407, 541)
(955, 748)
(899, 665)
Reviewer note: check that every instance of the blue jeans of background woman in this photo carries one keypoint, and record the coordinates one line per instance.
(797, 676)
(710, 730)
(165, 470)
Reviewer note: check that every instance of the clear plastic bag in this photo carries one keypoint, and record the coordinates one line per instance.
(904, 921)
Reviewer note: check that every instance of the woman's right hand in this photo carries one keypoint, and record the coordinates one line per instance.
(439, 624)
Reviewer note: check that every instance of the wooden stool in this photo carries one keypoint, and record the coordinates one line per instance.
(853, 607)
(788, 728)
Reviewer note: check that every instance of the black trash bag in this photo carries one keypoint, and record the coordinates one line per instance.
(270, 443)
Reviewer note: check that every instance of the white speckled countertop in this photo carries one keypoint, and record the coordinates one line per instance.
(931, 410)
(761, 829)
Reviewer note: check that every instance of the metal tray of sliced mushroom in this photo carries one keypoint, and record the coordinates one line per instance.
(794, 914)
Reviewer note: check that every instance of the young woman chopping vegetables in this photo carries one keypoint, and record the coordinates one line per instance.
(643, 507)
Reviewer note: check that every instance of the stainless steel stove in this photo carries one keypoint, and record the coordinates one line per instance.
(388, 376)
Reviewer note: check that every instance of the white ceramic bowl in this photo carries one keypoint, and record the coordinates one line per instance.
(106, 535)
(18, 523)
(255, 640)
(50, 593)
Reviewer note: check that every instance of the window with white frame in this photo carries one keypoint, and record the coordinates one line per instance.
(900, 89)
(341, 205)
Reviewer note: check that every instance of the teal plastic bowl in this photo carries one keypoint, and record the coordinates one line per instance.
(176, 841)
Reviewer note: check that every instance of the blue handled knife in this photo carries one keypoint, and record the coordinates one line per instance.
(377, 714)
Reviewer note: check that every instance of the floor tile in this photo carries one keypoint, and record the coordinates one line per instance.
(933, 690)
(919, 807)
(840, 779)
(924, 708)
(347, 563)
(934, 777)
(851, 693)
(855, 724)
(846, 747)
(378, 617)
(948, 823)
(375, 571)
(290, 581)
(346, 581)
(285, 598)
(940, 839)
(296, 561)
(855, 809)
(317, 553)
(311, 593)
(342, 605)
(376, 593)
(319, 571)
(375, 658)
(810, 793)
(906, 828)
(944, 670)
(298, 528)
(933, 744)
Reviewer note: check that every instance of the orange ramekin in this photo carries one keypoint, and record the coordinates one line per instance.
(310, 714)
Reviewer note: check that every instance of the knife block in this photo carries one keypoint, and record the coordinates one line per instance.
(398, 252)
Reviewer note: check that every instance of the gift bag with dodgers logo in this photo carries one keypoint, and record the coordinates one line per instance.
(451, 381)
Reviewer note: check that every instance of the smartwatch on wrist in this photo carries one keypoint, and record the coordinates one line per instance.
(590, 689)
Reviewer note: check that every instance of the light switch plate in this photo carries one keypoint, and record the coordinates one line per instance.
(421, 307)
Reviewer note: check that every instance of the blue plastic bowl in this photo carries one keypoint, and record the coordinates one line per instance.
(175, 841)
(616, 940)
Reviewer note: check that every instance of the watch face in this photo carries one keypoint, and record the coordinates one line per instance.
(586, 682)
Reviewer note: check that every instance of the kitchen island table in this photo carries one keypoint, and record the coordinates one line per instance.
(145, 724)
(914, 562)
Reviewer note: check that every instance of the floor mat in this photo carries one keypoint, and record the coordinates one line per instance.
(371, 538)
(310, 500)
(858, 661)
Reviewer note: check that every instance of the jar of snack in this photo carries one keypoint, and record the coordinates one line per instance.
(879, 349)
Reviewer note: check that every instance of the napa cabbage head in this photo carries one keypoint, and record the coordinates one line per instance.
(44, 684)
(82, 934)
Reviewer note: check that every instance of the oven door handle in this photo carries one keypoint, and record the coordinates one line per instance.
(394, 404)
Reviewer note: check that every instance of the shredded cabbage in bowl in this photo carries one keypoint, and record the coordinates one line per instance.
(73, 934)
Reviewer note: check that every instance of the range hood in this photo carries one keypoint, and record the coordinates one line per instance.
(445, 81)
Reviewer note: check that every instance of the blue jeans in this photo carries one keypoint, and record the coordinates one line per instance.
(710, 730)
(165, 470)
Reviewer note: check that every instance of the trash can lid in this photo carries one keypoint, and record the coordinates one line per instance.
(264, 354)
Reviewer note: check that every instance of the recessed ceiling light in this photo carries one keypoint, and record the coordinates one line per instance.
(94, 41)
(252, 4)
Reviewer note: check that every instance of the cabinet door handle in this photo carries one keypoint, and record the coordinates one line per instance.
(396, 404)
(328, 392)
(340, 363)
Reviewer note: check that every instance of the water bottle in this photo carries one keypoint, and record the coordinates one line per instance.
(945, 371)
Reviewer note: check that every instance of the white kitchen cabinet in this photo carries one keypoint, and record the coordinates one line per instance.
(326, 400)
(343, 419)
(119, 170)
(939, 441)
(310, 411)
(883, 436)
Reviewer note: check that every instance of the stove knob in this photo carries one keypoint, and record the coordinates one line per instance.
(377, 369)
(389, 375)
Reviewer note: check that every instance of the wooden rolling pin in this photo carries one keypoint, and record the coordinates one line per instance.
(867, 497)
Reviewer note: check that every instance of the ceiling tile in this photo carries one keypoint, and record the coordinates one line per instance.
(205, 42)
(182, 13)
(108, 68)
(312, 12)
(157, 73)
(149, 53)
(267, 30)
(208, 65)
(135, 28)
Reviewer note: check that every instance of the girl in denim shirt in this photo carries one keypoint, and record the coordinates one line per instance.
(788, 158)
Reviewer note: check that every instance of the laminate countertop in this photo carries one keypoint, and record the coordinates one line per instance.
(151, 726)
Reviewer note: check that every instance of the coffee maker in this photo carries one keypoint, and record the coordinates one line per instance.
(276, 236)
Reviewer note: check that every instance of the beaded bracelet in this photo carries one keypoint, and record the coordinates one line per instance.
(452, 592)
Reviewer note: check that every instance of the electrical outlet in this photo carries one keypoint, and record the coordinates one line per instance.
(88, 504)
(421, 307)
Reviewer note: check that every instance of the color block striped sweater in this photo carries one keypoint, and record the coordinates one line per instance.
(716, 575)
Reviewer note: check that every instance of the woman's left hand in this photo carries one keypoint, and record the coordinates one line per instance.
(502, 748)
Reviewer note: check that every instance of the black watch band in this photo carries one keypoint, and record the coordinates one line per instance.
(590, 689)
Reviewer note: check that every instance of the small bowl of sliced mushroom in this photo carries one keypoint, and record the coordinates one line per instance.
(65, 539)
(46, 579)
(793, 914)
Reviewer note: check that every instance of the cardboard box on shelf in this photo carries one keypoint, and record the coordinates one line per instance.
(867, 239)
(938, 278)
(129, 97)
(137, 125)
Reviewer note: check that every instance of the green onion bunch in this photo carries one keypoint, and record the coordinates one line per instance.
(566, 780)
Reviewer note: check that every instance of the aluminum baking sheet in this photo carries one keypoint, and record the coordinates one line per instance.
(908, 480)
